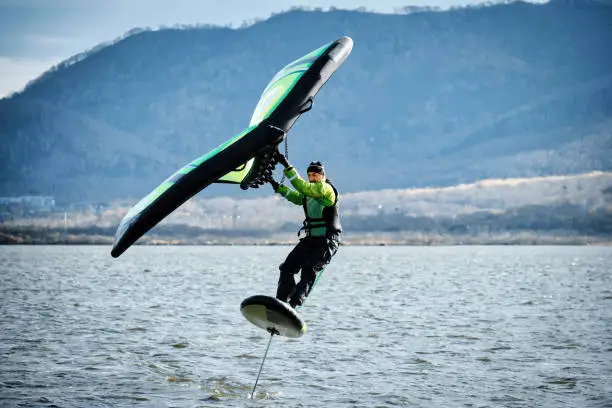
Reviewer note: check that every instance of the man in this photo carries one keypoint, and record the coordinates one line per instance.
(322, 226)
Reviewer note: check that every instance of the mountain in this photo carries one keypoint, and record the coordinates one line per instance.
(427, 98)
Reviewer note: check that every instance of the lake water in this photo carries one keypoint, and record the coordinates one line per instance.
(387, 326)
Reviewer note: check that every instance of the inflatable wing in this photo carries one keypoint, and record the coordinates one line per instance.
(247, 158)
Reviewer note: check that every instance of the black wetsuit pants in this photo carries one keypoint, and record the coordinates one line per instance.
(310, 255)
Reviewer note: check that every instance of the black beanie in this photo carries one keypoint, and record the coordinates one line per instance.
(316, 167)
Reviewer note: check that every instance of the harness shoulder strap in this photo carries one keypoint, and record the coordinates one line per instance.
(335, 191)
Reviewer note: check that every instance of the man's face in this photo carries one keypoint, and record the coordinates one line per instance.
(314, 177)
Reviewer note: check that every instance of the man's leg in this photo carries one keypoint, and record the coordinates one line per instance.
(291, 266)
(319, 256)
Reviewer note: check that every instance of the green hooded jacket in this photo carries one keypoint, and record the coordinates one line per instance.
(315, 197)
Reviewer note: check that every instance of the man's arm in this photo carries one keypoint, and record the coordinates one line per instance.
(292, 196)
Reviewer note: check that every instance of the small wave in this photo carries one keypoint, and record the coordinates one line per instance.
(180, 345)
(179, 379)
(561, 347)
(462, 336)
(43, 400)
(498, 348)
(568, 382)
(222, 387)
(245, 355)
(419, 361)
(125, 397)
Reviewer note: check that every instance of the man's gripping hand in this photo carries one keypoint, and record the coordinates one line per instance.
(282, 159)
(274, 184)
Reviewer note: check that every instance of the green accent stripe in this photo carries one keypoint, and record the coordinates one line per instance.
(239, 174)
(282, 83)
(318, 278)
(299, 69)
(170, 181)
(274, 96)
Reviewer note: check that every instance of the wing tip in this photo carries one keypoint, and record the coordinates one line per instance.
(115, 252)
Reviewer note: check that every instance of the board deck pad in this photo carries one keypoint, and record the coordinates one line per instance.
(273, 315)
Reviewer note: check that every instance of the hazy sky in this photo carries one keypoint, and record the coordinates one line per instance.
(37, 34)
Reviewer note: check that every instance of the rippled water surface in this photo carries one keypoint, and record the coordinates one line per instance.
(387, 326)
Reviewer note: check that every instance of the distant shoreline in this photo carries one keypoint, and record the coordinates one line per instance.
(372, 239)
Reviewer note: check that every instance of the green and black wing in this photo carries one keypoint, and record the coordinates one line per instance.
(248, 157)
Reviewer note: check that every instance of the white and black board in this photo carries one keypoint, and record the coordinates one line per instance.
(273, 315)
